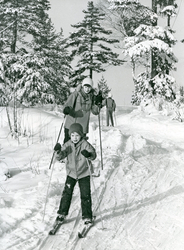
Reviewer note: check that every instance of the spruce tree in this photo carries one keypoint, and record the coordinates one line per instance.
(18, 19)
(35, 67)
(33, 70)
(89, 43)
(49, 46)
(103, 87)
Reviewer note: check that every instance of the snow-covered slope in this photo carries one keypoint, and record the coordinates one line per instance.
(138, 197)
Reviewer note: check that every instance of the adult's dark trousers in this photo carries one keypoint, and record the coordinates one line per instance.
(109, 116)
(85, 195)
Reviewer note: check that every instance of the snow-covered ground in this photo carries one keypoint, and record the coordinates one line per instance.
(138, 198)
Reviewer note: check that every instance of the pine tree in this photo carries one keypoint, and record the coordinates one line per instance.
(50, 46)
(33, 70)
(89, 42)
(151, 43)
(18, 19)
(103, 87)
(168, 9)
(38, 66)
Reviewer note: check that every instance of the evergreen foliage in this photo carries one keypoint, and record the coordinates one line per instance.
(151, 45)
(89, 45)
(103, 87)
(34, 63)
(34, 59)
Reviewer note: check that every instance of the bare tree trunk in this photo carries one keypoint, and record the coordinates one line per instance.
(153, 64)
(9, 120)
(14, 42)
(15, 113)
(91, 57)
(7, 110)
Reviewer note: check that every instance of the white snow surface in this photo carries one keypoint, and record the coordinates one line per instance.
(138, 198)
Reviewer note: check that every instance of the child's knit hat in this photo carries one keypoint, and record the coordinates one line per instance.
(76, 127)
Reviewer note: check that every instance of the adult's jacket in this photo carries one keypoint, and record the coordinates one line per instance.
(110, 104)
(76, 164)
(82, 105)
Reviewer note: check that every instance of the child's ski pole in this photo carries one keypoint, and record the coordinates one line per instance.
(47, 193)
(53, 155)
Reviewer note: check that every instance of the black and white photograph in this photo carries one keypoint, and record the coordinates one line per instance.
(91, 125)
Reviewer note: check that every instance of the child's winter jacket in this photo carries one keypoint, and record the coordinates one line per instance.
(76, 165)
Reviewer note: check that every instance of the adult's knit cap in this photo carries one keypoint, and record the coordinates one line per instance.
(87, 81)
(76, 127)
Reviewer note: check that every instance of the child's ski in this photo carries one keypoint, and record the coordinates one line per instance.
(86, 228)
(55, 227)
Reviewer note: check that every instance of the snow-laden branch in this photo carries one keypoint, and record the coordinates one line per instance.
(145, 47)
(121, 3)
(169, 10)
(151, 32)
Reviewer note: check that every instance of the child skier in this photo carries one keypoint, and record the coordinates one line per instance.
(76, 150)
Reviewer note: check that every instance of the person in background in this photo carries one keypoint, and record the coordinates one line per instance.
(110, 108)
(76, 150)
(79, 105)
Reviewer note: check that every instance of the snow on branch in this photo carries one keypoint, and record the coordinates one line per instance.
(151, 32)
(144, 47)
(169, 10)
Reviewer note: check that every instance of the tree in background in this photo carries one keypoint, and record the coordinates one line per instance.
(49, 47)
(123, 17)
(168, 9)
(34, 62)
(40, 64)
(147, 41)
(89, 43)
(103, 87)
(18, 19)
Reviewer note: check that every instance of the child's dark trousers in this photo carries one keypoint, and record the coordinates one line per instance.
(85, 195)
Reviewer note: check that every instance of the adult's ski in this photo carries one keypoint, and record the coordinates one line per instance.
(86, 228)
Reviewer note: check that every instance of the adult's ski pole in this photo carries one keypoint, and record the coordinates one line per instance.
(100, 139)
(95, 193)
(53, 155)
(115, 118)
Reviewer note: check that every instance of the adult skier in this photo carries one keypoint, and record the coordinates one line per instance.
(110, 108)
(79, 105)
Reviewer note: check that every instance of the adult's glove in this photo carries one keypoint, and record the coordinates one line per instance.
(57, 147)
(85, 153)
(66, 110)
(99, 99)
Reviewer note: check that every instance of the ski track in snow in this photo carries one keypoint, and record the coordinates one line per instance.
(141, 193)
